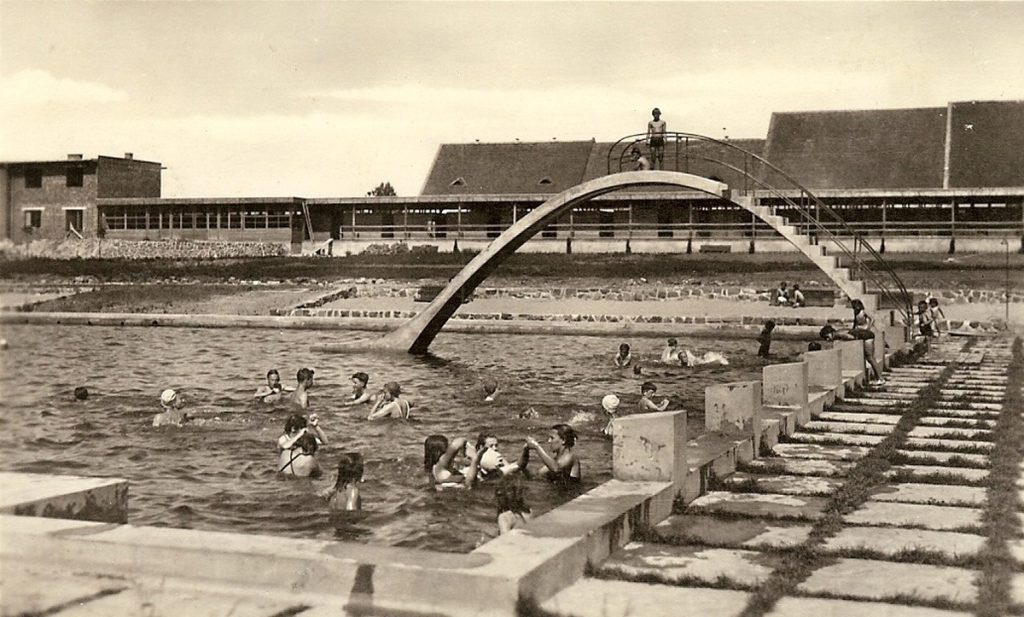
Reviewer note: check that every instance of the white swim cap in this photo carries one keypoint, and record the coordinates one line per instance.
(168, 396)
(610, 403)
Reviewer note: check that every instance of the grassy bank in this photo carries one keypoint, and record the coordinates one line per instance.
(918, 270)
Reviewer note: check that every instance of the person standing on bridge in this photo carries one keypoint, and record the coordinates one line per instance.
(656, 138)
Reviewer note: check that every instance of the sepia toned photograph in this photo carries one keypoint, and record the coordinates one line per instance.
(511, 309)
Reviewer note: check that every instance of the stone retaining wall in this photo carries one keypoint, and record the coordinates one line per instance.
(132, 249)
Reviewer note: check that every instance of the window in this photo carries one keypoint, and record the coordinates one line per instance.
(278, 218)
(74, 176)
(255, 219)
(74, 220)
(33, 219)
(387, 224)
(606, 224)
(33, 179)
(135, 219)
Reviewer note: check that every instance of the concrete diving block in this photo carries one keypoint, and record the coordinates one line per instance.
(785, 388)
(825, 374)
(734, 410)
(652, 447)
(72, 497)
(880, 339)
(854, 373)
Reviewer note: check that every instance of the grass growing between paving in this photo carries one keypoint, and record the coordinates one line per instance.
(861, 481)
(1002, 501)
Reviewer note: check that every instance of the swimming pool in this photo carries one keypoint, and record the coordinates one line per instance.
(222, 475)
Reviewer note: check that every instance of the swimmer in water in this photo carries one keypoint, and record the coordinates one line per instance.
(623, 358)
(510, 498)
(390, 404)
(81, 393)
(171, 414)
(562, 466)
(300, 397)
(610, 404)
(646, 403)
(438, 456)
(670, 355)
(691, 360)
(300, 460)
(490, 387)
(344, 495)
(273, 391)
(294, 428)
(492, 464)
(360, 393)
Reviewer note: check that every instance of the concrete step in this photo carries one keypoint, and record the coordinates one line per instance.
(591, 597)
(932, 457)
(955, 446)
(798, 467)
(780, 484)
(749, 533)
(938, 432)
(934, 494)
(916, 516)
(887, 542)
(848, 427)
(801, 607)
(690, 565)
(821, 452)
(871, 579)
(946, 421)
(962, 412)
(840, 439)
(854, 416)
(954, 475)
(758, 505)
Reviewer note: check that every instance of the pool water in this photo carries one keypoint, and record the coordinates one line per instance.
(222, 475)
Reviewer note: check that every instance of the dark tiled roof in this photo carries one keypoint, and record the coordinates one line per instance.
(987, 144)
(890, 148)
(487, 169)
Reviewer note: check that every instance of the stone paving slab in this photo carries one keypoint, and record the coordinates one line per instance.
(690, 564)
(955, 474)
(947, 404)
(929, 457)
(799, 467)
(194, 603)
(39, 590)
(1017, 548)
(1017, 589)
(959, 412)
(782, 484)
(751, 533)
(889, 395)
(852, 416)
(937, 518)
(933, 432)
(759, 505)
(870, 402)
(826, 426)
(600, 598)
(821, 607)
(892, 541)
(938, 494)
(823, 452)
(870, 579)
(970, 388)
(952, 445)
(841, 439)
(944, 420)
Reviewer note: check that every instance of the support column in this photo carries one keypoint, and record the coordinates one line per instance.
(952, 227)
(689, 231)
(885, 208)
(405, 221)
(629, 229)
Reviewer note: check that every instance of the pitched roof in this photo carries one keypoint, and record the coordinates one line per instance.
(486, 169)
(889, 148)
(986, 144)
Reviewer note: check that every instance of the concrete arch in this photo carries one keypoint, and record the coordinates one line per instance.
(416, 334)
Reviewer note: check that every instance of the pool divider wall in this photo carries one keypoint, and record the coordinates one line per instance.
(654, 463)
(68, 497)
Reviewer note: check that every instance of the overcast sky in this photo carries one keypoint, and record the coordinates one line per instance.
(328, 99)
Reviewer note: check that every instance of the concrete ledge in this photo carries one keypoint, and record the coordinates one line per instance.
(71, 497)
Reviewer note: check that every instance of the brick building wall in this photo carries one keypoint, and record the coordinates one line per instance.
(53, 199)
(127, 177)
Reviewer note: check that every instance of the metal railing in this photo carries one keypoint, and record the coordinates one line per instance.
(816, 218)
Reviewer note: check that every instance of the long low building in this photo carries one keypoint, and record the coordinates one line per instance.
(930, 179)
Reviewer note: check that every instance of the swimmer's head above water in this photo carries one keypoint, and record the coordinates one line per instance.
(490, 386)
(170, 399)
(81, 393)
(434, 448)
(350, 469)
(294, 423)
(305, 377)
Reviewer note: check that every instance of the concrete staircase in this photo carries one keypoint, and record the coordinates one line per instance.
(915, 547)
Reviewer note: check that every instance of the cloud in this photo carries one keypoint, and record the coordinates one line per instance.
(31, 89)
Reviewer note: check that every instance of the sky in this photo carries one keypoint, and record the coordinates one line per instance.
(328, 99)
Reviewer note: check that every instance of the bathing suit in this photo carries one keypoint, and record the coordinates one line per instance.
(291, 461)
(657, 142)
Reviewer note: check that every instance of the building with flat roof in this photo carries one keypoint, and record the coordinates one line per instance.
(55, 199)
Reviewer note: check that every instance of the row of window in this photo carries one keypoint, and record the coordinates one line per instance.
(73, 177)
(125, 218)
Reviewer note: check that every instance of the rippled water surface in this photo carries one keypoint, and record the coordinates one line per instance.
(221, 475)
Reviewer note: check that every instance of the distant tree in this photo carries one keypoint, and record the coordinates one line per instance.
(384, 189)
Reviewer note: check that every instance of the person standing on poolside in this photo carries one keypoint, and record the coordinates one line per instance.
(656, 129)
(300, 398)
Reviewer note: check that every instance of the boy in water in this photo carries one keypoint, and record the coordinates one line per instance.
(765, 338)
(171, 414)
(623, 358)
(360, 393)
(273, 391)
(670, 355)
(656, 138)
(490, 387)
(300, 397)
(646, 403)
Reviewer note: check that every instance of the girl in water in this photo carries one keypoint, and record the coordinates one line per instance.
(292, 445)
(300, 461)
(390, 404)
(562, 466)
(438, 456)
(512, 509)
(344, 495)
(360, 394)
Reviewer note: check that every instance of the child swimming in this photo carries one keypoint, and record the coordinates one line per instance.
(610, 404)
(390, 404)
(562, 466)
(510, 499)
(691, 360)
(623, 358)
(670, 355)
(490, 387)
(344, 495)
(438, 456)
(171, 414)
(646, 402)
(360, 393)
